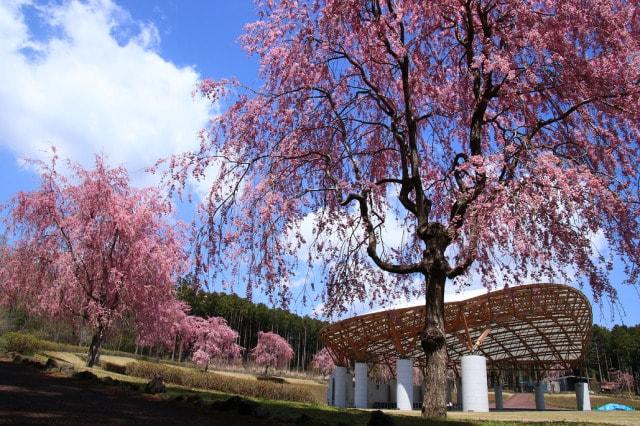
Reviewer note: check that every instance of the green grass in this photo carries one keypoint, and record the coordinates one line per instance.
(320, 414)
(569, 400)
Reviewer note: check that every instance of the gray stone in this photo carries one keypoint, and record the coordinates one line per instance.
(52, 364)
(156, 385)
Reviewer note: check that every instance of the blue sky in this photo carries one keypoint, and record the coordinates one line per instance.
(116, 78)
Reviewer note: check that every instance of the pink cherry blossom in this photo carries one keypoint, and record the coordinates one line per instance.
(93, 249)
(214, 339)
(272, 350)
(502, 137)
(323, 362)
(624, 381)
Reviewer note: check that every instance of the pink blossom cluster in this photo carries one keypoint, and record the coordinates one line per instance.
(323, 362)
(272, 350)
(500, 137)
(91, 248)
(623, 380)
(208, 339)
(216, 340)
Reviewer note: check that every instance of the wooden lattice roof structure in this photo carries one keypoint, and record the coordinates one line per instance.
(536, 326)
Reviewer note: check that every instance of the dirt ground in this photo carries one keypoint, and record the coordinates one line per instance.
(27, 396)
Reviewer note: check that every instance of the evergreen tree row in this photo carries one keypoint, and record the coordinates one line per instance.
(617, 349)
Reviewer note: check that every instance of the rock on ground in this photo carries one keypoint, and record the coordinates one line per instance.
(156, 385)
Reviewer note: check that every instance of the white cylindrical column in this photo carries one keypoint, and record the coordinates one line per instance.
(475, 395)
(539, 390)
(339, 388)
(582, 397)
(497, 390)
(404, 386)
(360, 397)
(350, 388)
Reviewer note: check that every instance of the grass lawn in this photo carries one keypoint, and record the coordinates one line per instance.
(569, 400)
(322, 414)
(554, 417)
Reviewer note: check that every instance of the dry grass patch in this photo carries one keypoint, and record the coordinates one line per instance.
(73, 359)
(222, 383)
(118, 360)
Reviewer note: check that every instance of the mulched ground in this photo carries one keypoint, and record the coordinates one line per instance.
(29, 396)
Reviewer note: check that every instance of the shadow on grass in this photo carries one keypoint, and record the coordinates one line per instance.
(27, 396)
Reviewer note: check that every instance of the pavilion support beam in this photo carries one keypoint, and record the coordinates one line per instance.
(360, 396)
(539, 391)
(582, 397)
(340, 387)
(404, 384)
(475, 395)
(350, 388)
(497, 390)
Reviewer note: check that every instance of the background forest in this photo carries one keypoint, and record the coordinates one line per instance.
(610, 350)
(302, 332)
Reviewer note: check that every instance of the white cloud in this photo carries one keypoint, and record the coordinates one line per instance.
(87, 78)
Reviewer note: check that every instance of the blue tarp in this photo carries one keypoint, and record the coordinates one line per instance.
(612, 406)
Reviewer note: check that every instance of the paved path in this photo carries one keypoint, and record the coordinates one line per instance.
(522, 401)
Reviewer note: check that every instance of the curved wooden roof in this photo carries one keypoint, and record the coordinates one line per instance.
(543, 326)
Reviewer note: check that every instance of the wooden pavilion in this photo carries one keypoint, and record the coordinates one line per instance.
(536, 327)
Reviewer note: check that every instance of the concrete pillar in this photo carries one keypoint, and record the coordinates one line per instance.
(582, 397)
(475, 394)
(497, 390)
(539, 390)
(350, 388)
(339, 387)
(404, 387)
(330, 390)
(361, 395)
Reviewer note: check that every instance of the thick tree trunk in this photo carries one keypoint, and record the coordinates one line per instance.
(96, 344)
(434, 402)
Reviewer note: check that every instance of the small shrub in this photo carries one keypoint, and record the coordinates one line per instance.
(221, 383)
(23, 343)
